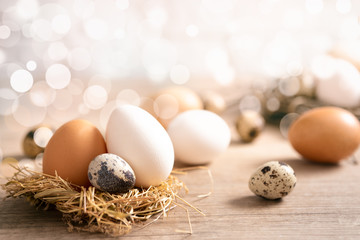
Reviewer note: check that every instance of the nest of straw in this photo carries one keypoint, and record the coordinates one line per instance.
(91, 210)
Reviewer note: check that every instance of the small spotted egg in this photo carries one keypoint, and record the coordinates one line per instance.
(110, 173)
(273, 180)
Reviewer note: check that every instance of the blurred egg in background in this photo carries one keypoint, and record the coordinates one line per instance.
(62, 60)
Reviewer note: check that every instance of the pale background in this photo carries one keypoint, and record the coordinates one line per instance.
(61, 60)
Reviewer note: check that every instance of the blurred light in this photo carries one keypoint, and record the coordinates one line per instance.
(60, 116)
(96, 28)
(289, 86)
(7, 166)
(119, 33)
(83, 109)
(314, 6)
(286, 122)
(11, 68)
(95, 97)
(294, 68)
(128, 96)
(218, 6)
(27, 163)
(21, 80)
(1, 155)
(216, 57)
(156, 73)
(279, 52)
(293, 18)
(273, 104)
(79, 59)
(4, 32)
(38, 162)
(192, 30)
(31, 65)
(250, 102)
(8, 101)
(224, 75)
(63, 100)
(42, 136)
(157, 16)
(26, 30)
(122, 4)
(41, 94)
(323, 66)
(27, 114)
(105, 114)
(158, 56)
(27, 9)
(58, 76)
(343, 6)
(2, 56)
(102, 81)
(76, 86)
(61, 24)
(57, 51)
(245, 45)
(167, 106)
(41, 30)
(349, 28)
(179, 74)
(84, 8)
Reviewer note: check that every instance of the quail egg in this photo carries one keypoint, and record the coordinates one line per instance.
(249, 125)
(110, 173)
(273, 180)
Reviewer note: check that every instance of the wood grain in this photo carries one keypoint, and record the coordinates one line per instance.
(324, 205)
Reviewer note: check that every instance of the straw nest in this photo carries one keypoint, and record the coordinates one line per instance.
(91, 210)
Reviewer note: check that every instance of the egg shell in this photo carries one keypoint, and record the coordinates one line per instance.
(325, 134)
(174, 99)
(273, 180)
(341, 87)
(199, 136)
(138, 137)
(213, 102)
(249, 125)
(110, 173)
(71, 149)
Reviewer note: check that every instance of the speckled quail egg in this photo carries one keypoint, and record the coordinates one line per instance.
(249, 125)
(273, 180)
(109, 172)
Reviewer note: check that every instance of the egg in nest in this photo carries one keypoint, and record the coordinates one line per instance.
(110, 173)
(71, 149)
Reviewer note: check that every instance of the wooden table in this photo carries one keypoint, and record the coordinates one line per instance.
(324, 205)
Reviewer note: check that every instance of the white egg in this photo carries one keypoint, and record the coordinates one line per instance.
(341, 86)
(135, 135)
(198, 136)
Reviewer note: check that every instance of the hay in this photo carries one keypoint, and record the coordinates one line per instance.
(92, 210)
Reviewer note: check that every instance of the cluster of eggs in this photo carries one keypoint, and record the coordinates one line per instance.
(141, 144)
(137, 149)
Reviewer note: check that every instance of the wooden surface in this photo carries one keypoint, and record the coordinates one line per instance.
(324, 205)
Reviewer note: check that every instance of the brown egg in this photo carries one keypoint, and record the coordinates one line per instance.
(71, 149)
(169, 102)
(325, 134)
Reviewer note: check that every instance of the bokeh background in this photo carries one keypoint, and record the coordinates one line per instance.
(61, 60)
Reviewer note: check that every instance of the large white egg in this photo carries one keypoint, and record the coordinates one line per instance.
(340, 86)
(198, 136)
(136, 136)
